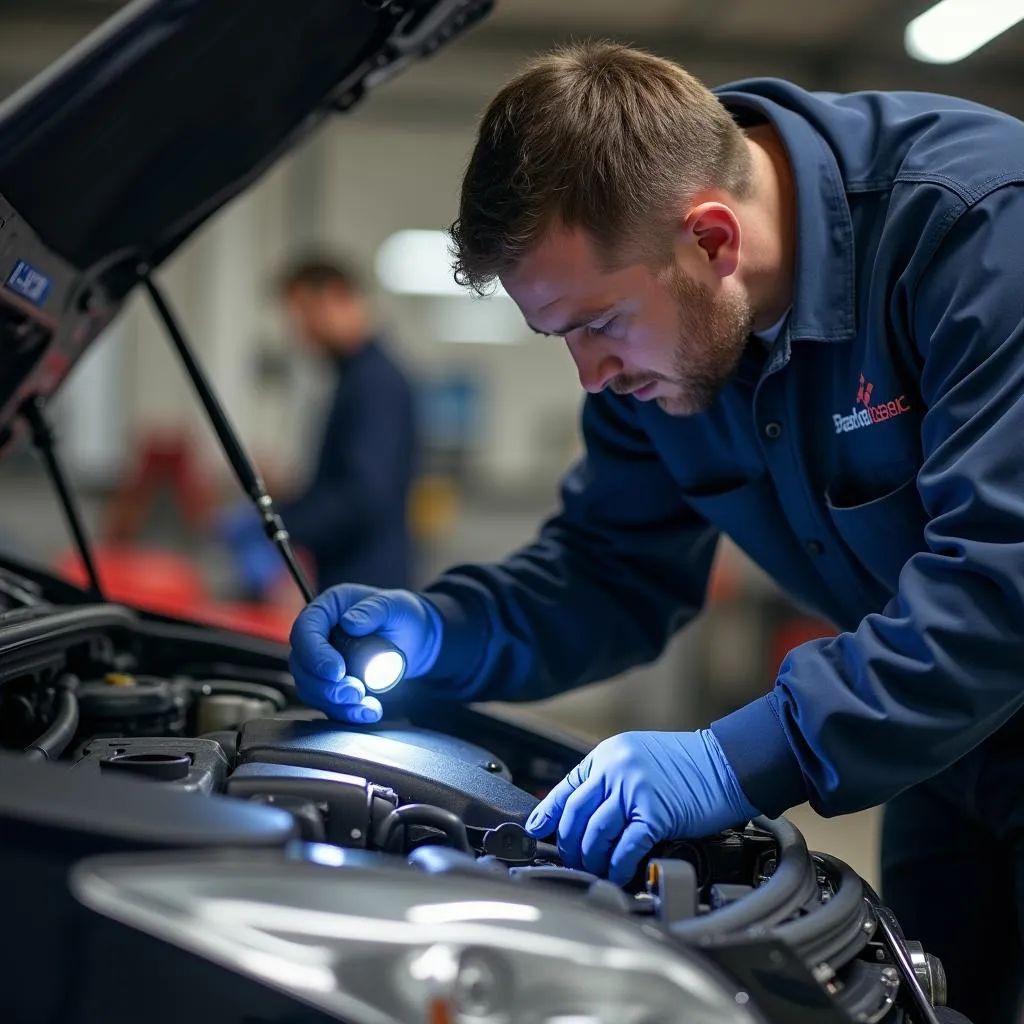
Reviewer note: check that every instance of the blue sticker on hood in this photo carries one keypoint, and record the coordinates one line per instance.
(29, 283)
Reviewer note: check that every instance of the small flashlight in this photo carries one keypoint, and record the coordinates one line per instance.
(377, 663)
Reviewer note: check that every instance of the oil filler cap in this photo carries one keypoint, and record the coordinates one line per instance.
(161, 767)
(511, 843)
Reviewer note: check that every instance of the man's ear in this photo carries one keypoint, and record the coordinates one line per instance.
(714, 229)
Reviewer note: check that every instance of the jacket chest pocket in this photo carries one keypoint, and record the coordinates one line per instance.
(884, 532)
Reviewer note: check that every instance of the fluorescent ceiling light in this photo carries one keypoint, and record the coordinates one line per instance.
(419, 263)
(492, 321)
(954, 29)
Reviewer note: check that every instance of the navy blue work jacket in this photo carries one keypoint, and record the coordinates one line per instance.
(353, 517)
(872, 462)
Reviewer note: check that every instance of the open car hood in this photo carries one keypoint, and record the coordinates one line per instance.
(111, 159)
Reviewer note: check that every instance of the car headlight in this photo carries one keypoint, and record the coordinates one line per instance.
(388, 945)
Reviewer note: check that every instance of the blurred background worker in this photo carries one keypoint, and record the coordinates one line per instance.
(352, 518)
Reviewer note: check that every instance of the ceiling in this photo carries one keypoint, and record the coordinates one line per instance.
(825, 44)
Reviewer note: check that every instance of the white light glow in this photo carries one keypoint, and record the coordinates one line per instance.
(324, 853)
(419, 263)
(439, 963)
(471, 910)
(954, 29)
(383, 671)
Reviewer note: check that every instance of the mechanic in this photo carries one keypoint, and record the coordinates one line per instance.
(798, 320)
(353, 516)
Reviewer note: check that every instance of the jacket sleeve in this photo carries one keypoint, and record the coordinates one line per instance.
(621, 567)
(367, 474)
(854, 720)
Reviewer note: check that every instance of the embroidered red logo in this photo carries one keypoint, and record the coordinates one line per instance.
(870, 414)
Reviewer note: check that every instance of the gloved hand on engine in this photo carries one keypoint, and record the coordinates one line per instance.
(634, 790)
(258, 566)
(257, 562)
(406, 619)
(239, 525)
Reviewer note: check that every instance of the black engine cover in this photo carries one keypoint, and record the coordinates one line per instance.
(419, 765)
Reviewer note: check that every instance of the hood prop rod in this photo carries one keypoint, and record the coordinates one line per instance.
(34, 411)
(239, 460)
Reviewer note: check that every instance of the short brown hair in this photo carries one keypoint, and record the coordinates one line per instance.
(316, 271)
(598, 136)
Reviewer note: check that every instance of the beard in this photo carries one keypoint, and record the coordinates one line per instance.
(712, 336)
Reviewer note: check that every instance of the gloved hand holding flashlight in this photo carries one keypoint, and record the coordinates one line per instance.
(380, 636)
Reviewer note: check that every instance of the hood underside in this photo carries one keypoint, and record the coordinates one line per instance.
(111, 159)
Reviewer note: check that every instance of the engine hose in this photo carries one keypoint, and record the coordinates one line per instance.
(838, 930)
(61, 732)
(792, 885)
(431, 817)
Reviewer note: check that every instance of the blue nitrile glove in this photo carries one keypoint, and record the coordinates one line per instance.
(239, 525)
(406, 619)
(632, 791)
(259, 564)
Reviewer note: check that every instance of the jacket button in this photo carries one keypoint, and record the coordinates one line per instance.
(815, 547)
(773, 430)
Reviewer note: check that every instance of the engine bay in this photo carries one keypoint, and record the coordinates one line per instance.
(169, 736)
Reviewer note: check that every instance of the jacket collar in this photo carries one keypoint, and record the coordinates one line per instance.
(824, 297)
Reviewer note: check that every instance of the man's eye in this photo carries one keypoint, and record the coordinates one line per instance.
(601, 328)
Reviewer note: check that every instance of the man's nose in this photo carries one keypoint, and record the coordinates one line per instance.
(597, 369)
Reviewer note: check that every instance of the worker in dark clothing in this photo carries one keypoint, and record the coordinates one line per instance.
(353, 516)
(799, 320)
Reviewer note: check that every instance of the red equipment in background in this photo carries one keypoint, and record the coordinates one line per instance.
(169, 584)
(165, 458)
(156, 578)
